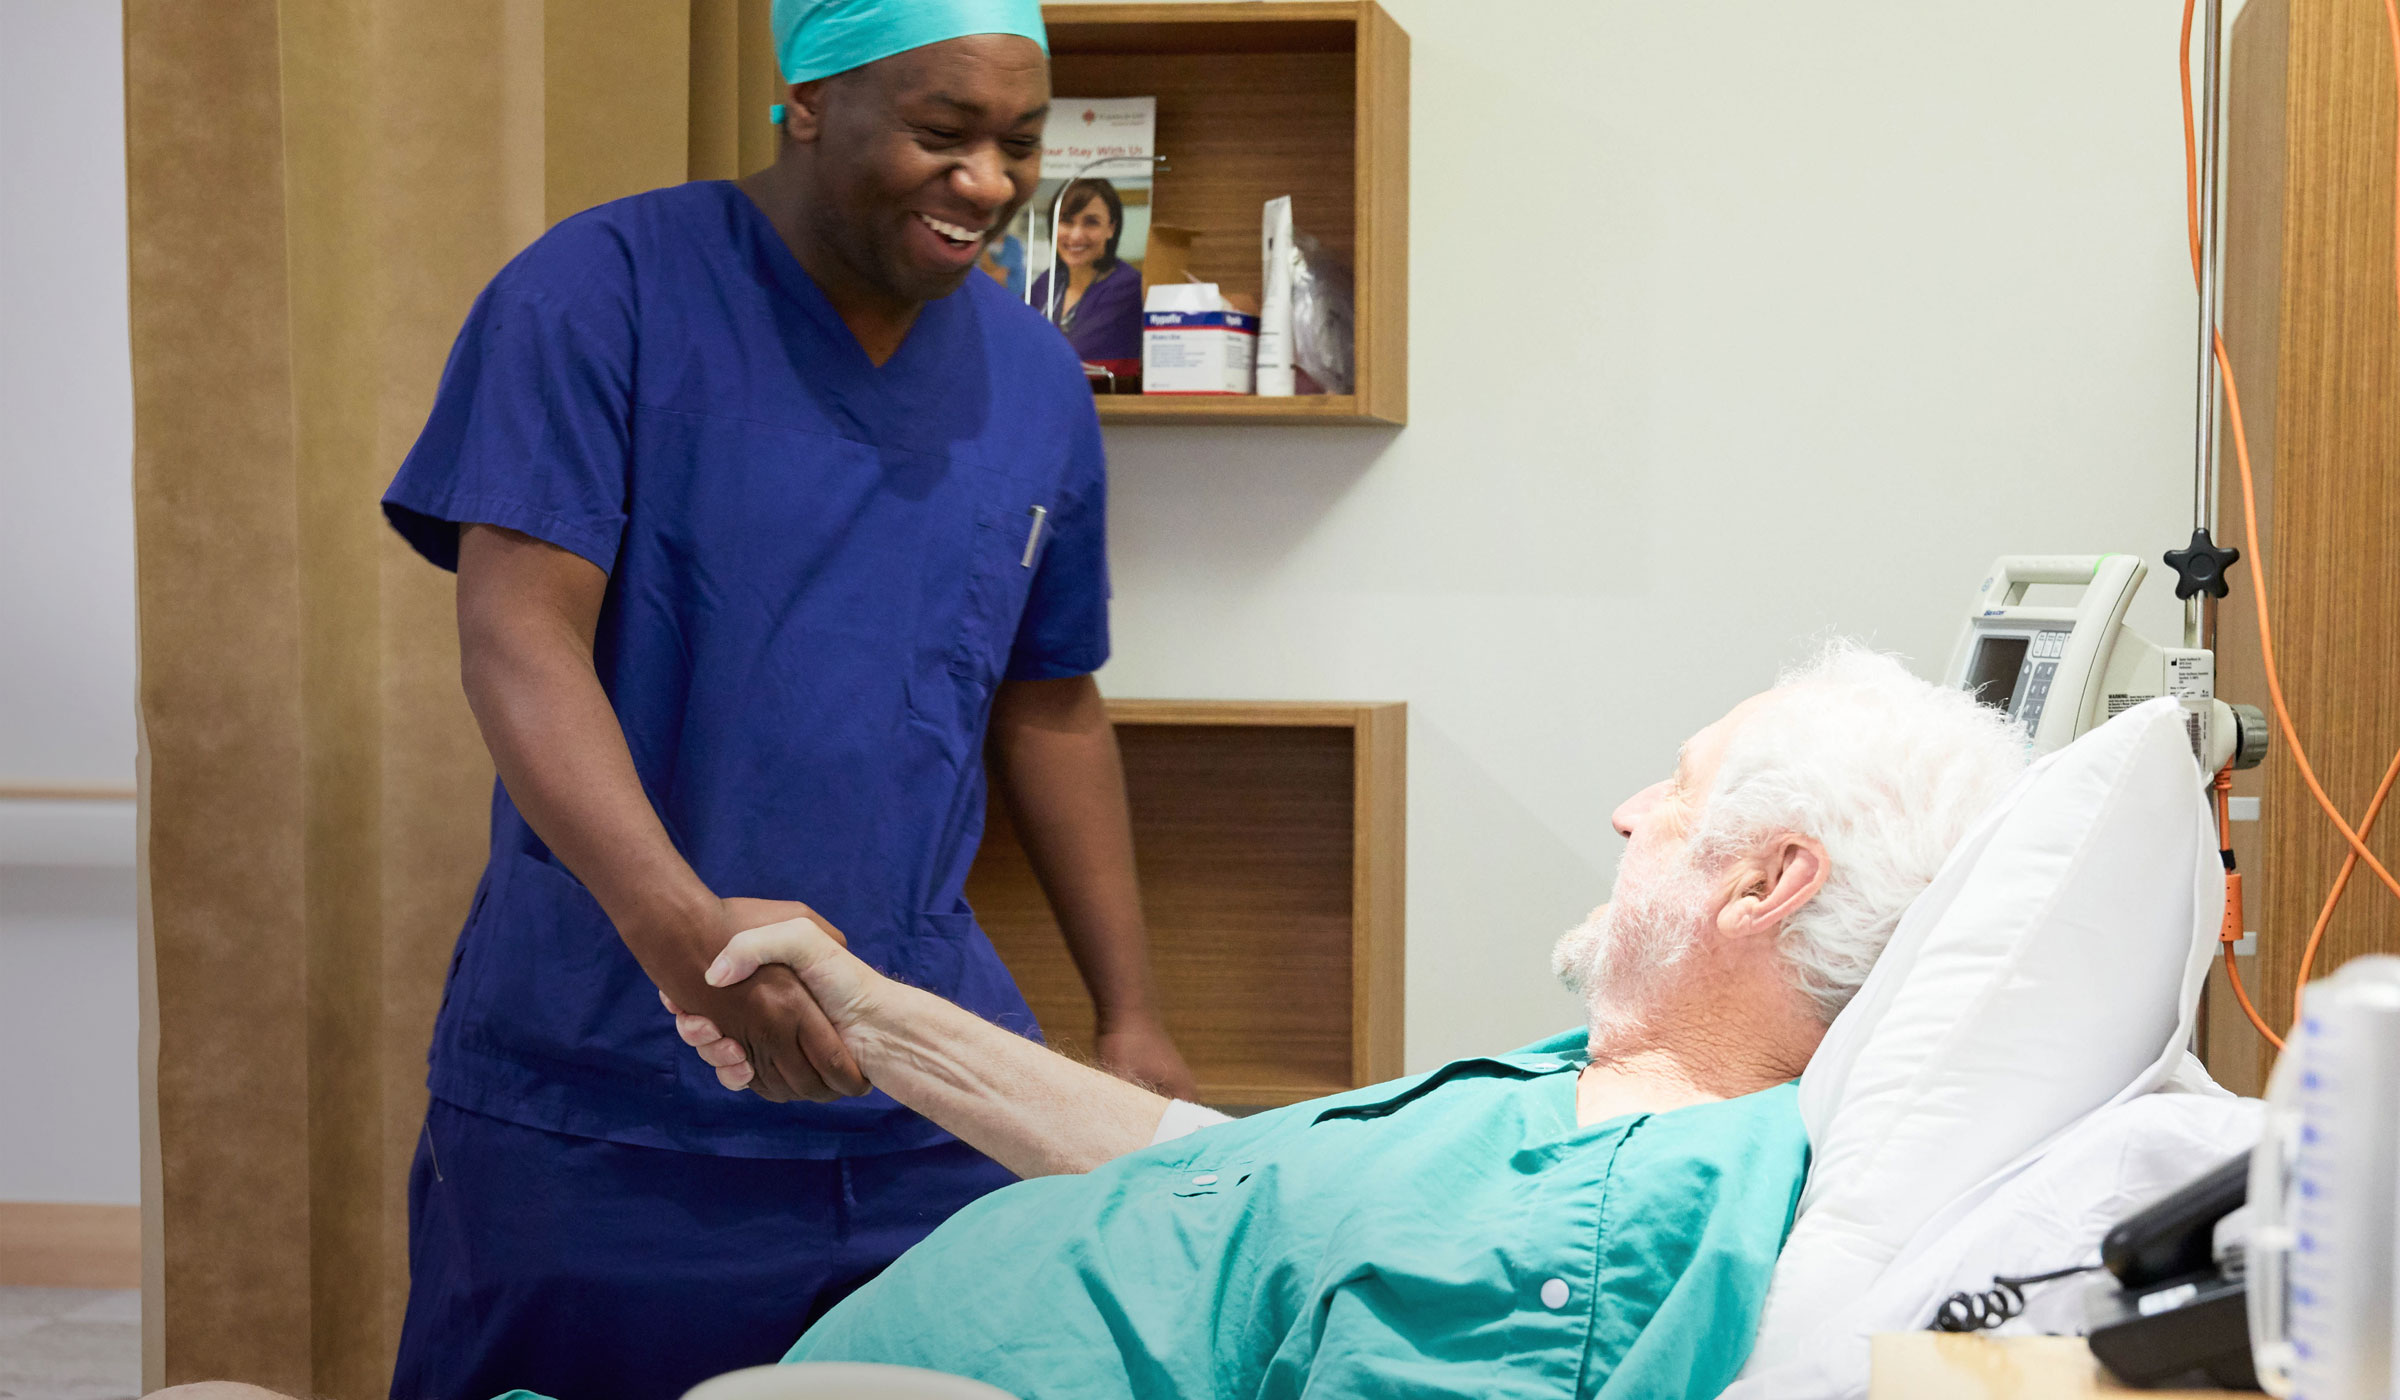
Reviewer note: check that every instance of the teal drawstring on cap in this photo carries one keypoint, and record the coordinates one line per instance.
(819, 38)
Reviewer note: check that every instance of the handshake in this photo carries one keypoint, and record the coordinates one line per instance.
(797, 1046)
(786, 1011)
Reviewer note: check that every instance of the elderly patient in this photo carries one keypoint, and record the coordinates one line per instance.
(1596, 1214)
(1593, 1215)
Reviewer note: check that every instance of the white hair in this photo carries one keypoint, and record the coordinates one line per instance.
(1887, 770)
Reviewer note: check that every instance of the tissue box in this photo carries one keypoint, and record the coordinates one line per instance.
(1198, 352)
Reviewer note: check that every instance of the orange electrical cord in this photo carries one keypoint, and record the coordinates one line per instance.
(2231, 928)
(2308, 955)
(2233, 403)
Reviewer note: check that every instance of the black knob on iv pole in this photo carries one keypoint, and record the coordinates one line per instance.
(2200, 567)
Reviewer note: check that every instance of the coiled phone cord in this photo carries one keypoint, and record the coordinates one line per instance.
(1966, 1311)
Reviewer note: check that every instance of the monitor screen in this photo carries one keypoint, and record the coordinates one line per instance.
(1992, 673)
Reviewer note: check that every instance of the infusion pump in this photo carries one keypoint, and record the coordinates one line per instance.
(2064, 669)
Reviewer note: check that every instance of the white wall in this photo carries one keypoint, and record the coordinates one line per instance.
(66, 399)
(1731, 323)
(69, 1035)
(68, 1018)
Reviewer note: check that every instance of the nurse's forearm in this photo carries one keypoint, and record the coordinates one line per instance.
(527, 613)
(526, 616)
(1032, 1110)
(1065, 785)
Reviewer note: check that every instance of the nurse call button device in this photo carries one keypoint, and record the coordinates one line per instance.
(2064, 668)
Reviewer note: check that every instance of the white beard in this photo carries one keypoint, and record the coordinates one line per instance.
(1619, 958)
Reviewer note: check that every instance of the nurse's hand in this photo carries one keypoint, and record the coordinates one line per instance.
(792, 1051)
(1141, 1051)
(845, 989)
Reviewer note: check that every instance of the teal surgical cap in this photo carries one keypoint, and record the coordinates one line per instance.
(818, 38)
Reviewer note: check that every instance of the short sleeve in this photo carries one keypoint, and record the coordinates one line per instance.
(531, 428)
(1064, 629)
(1183, 1119)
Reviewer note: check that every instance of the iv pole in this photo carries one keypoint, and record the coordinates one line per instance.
(2199, 611)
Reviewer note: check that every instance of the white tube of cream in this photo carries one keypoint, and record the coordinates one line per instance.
(1275, 303)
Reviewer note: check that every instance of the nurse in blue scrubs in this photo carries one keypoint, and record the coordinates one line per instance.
(771, 521)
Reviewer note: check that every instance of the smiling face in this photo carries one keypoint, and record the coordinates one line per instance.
(921, 159)
(1084, 232)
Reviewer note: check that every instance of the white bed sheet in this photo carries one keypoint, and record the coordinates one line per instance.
(2050, 1215)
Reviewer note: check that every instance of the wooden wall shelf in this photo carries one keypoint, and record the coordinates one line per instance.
(1271, 840)
(1300, 408)
(1257, 100)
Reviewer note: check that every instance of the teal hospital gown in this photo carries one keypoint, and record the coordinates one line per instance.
(1452, 1234)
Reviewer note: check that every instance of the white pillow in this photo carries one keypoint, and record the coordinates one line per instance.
(2049, 1216)
(2051, 968)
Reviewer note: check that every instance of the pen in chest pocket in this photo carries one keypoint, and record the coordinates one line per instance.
(1033, 536)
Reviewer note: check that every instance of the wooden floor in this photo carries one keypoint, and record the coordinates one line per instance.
(70, 1246)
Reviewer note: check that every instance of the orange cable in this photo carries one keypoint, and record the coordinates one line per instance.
(2242, 996)
(2391, 29)
(2283, 716)
(2356, 839)
(2308, 955)
(2231, 928)
(2266, 635)
(2333, 897)
(2191, 144)
(2223, 783)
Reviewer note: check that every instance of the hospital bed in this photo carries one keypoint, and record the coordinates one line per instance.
(2011, 1080)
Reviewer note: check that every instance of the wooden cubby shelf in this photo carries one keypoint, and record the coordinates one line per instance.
(1271, 842)
(1257, 100)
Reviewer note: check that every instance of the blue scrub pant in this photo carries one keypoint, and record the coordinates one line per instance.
(593, 1270)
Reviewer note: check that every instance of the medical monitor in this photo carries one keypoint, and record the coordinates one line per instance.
(1992, 673)
(2061, 668)
(2047, 665)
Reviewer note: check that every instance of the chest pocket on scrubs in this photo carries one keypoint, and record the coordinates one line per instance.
(1011, 530)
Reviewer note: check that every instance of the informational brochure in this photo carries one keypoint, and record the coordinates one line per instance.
(1097, 152)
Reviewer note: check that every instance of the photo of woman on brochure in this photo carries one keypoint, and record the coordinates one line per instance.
(1093, 288)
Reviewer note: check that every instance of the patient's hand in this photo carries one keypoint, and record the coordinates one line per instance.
(845, 988)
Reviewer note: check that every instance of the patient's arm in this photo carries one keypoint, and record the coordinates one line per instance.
(1033, 1111)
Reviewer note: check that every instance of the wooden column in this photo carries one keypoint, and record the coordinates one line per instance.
(2313, 327)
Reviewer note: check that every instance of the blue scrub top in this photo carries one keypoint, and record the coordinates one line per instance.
(818, 572)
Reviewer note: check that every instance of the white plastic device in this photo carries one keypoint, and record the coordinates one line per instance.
(2319, 1256)
(2064, 669)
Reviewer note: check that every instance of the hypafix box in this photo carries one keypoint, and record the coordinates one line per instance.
(1192, 343)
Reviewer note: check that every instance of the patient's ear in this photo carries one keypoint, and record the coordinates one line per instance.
(1771, 885)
